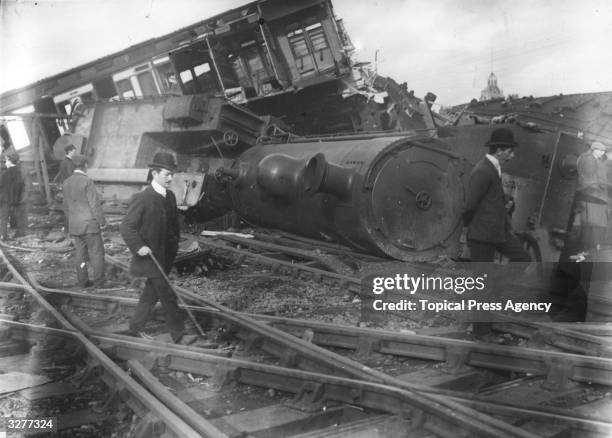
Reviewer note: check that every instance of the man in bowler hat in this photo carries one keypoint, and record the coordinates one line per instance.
(67, 165)
(486, 212)
(151, 228)
(86, 221)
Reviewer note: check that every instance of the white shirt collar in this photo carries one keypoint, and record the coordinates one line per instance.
(78, 171)
(159, 189)
(495, 163)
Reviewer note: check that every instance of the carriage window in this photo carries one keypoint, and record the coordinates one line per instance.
(186, 76)
(310, 49)
(201, 69)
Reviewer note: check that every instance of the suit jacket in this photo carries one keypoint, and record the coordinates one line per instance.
(151, 220)
(65, 171)
(485, 212)
(82, 205)
(12, 186)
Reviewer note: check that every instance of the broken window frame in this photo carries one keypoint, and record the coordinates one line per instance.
(254, 51)
(306, 32)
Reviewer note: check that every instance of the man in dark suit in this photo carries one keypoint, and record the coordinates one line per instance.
(13, 197)
(86, 220)
(486, 212)
(151, 228)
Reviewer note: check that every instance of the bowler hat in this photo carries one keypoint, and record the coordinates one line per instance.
(79, 160)
(502, 137)
(164, 160)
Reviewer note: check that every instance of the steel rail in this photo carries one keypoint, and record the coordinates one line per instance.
(128, 347)
(540, 333)
(456, 352)
(341, 389)
(558, 367)
(172, 421)
(266, 246)
(302, 359)
(308, 386)
(190, 361)
(299, 353)
(319, 275)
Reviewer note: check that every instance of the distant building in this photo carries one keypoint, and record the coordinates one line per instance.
(492, 91)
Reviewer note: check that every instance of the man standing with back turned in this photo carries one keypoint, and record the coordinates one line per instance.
(486, 211)
(85, 220)
(67, 165)
(151, 228)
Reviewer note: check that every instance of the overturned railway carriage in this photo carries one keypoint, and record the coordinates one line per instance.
(206, 92)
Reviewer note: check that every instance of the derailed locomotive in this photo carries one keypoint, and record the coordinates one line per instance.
(394, 194)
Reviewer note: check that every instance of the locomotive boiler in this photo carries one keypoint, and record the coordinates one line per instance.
(398, 196)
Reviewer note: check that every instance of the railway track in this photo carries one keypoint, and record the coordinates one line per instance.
(567, 337)
(31, 348)
(560, 372)
(353, 397)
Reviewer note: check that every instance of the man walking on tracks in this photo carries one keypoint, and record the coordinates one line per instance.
(486, 211)
(151, 231)
(86, 221)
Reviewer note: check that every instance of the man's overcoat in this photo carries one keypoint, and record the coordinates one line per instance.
(83, 205)
(485, 213)
(152, 221)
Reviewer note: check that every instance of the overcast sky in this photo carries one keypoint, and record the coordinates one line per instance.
(448, 47)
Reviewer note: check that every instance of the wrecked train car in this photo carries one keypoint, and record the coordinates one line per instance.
(202, 93)
(394, 194)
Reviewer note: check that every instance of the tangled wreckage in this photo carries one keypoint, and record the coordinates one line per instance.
(269, 117)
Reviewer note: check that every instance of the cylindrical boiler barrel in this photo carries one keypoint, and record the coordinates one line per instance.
(396, 196)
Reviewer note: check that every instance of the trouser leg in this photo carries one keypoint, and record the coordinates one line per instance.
(172, 313)
(95, 249)
(80, 255)
(4, 217)
(144, 308)
(21, 219)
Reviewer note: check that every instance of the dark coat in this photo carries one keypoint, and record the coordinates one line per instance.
(83, 205)
(12, 186)
(152, 221)
(65, 171)
(485, 212)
